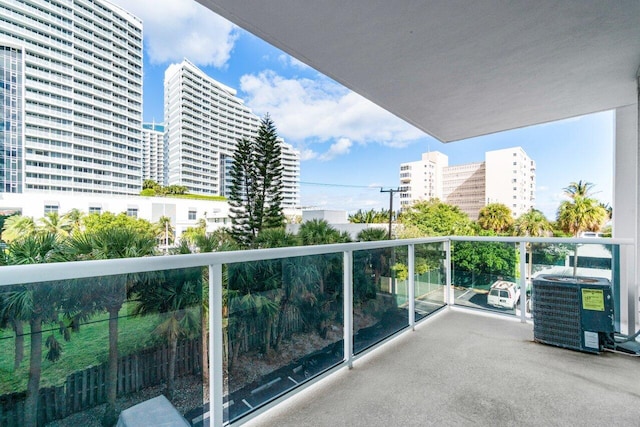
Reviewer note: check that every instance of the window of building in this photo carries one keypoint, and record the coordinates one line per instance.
(50, 208)
(192, 214)
(132, 212)
(95, 209)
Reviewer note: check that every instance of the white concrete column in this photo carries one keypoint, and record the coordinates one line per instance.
(626, 208)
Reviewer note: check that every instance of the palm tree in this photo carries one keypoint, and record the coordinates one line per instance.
(533, 224)
(319, 232)
(578, 215)
(74, 216)
(176, 296)
(372, 234)
(37, 304)
(496, 217)
(55, 224)
(110, 291)
(18, 226)
(369, 217)
(579, 189)
(275, 238)
(166, 232)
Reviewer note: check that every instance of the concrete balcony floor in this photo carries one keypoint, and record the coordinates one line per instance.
(462, 368)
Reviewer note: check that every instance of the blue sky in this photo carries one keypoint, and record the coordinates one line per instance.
(349, 146)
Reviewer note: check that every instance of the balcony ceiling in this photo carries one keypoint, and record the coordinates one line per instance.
(458, 68)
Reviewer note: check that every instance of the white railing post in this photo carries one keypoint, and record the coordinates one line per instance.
(628, 288)
(348, 307)
(411, 283)
(448, 299)
(215, 346)
(523, 281)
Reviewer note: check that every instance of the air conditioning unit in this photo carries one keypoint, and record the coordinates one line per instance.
(574, 313)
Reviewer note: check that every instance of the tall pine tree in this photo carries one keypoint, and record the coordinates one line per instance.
(242, 197)
(256, 185)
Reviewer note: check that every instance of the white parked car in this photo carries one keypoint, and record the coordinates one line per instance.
(503, 294)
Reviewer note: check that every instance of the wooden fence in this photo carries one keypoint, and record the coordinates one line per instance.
(88, 388)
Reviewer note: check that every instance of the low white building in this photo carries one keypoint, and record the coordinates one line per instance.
(184, 213)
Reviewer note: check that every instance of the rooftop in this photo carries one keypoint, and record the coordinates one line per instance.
(464, 368)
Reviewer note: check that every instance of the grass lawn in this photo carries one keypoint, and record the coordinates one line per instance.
(88, 347)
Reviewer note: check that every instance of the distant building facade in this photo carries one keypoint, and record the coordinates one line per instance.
(511, 179)
(290, 160)
(423, 179)
(464, 187)
(506, 176)
(203, 121)
(183, 213)
(154, 153)
(70, 97)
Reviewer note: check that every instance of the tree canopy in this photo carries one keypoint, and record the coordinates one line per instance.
(496, 217)
(434, 218)
(581, 214)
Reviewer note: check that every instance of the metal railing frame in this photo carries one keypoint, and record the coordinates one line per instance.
(36, 273)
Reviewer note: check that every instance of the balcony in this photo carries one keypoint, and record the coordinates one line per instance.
(290, 319)
(465, 369)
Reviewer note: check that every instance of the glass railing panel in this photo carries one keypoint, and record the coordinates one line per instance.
(380, 306)
(486, 275)
(100, 345)
(430, 278)
(566, 262)
(283, 322)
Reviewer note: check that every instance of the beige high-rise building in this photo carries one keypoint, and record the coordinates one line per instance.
(506, 176)
(464, 187)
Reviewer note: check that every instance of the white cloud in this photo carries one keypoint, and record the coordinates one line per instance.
(177, 29)
(307, 154)
(321, 111)
(340, 147)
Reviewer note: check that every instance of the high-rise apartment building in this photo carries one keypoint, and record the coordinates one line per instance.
(154, 153)
(70, 97)
(511, 179)
(506, 176)
(464, 187)
(203, 121)
(422, 180)
(290, 160)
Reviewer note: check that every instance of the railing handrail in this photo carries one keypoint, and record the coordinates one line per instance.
(569, 240)
(33, 273)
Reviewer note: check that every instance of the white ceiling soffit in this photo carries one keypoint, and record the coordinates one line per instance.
(461, 68)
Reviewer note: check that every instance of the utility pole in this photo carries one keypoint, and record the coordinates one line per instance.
(390, 191)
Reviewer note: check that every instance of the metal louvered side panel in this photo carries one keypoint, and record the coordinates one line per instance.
(556, 314)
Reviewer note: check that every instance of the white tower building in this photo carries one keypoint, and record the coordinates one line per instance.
(290, 159)
(70, 97)
(511, 179)
(422, 180)
(154, 153)
(203, 121)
